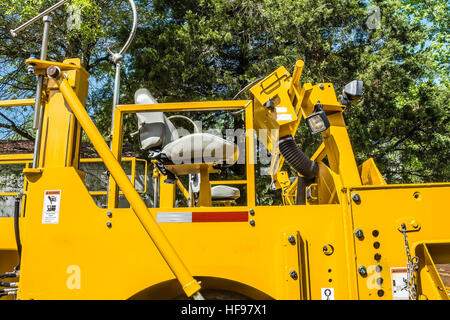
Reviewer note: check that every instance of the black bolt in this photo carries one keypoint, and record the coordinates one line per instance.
(328, 250)
(362, 271)
(376, 244)
(291, 239)
(379, 281)
(252, 223)
(375, 233)
(293, 274)
(252, 212)
(380, 293)
(356, 198)
(378, 269)
(109, 224)
(109, 214)
(359, 234)
(377, 256)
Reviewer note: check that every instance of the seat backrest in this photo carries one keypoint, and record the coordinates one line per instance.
(155, 130)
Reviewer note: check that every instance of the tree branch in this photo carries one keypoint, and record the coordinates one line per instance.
(12, 126)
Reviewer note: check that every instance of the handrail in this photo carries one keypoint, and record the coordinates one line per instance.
(17, 103)
(36, 18)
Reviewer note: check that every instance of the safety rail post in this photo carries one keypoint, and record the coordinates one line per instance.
(116, 148)
(250, 156)
(190, 286)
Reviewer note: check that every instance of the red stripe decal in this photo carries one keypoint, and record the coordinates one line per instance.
(239, 216)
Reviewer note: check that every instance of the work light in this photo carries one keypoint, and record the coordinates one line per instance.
(318, 121)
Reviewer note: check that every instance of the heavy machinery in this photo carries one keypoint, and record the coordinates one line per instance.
(341, 233)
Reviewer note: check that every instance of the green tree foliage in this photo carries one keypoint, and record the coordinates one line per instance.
(201, 50)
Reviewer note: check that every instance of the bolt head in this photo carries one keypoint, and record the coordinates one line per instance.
(291, 239)
(356, 198)
(362, 271)
(252, 223)
(252, 212)
(53, 72)
(109, 214)
(359, 234)
(321, 86)
(328, 250)
(293, 274)
(109, 224)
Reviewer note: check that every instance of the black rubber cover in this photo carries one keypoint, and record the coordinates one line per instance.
(16, 229)
(297, 159)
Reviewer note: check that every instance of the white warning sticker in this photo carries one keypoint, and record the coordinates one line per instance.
(281, 109)
(284, 117)
(399, 278)
(50, 212)
(327, 293)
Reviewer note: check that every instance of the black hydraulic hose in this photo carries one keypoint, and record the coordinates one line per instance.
(297, 159)
(16, 228)
(8, 284)
(9, 275)
(301, 163)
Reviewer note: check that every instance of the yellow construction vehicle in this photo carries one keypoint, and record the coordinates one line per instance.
(341, 233)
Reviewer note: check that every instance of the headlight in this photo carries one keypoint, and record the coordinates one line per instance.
(317, 122)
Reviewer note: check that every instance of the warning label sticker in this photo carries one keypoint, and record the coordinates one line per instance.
(284, 117)
(399, 278)
(50, 212)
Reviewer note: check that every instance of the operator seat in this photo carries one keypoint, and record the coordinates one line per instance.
(159, 136)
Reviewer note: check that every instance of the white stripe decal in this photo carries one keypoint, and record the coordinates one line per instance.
(167, 217)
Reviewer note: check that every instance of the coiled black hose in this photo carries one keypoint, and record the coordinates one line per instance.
(297, 159)
(301, 163)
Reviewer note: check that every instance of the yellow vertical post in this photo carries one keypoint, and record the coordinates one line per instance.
(188, 283)
(59, 126)
(295, 81)
(204, 199)
(339, 151)
(133, 172)
(250, 155)
(166, 193)
(116, 149)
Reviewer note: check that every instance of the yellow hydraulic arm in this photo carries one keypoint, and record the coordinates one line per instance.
(190, 286)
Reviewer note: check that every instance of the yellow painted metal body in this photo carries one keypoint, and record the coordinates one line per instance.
(288, 252)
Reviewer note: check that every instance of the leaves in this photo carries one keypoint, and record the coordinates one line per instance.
(209, 50)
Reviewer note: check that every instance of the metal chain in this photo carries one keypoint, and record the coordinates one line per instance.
(412, 266)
